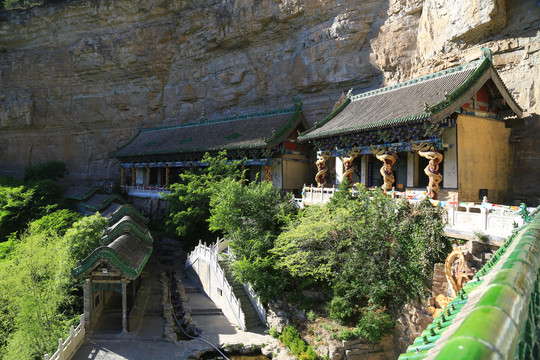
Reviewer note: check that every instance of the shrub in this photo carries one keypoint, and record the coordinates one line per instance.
(273, 333)
(291, 338)
(52, 169)
(341, 309)
(374, 323)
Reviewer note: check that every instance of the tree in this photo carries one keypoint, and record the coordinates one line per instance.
(84, 236)
(251, 216)
(189, 202)
(23, 203)
(370, 250)
(35, 280)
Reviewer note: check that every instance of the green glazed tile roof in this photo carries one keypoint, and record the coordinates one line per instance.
(129, 245)
(491, 316)
(259, 130)
(127, 254)
(428, 98)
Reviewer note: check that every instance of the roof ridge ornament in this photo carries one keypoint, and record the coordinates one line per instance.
(487, 53)
(203, 119)
(297, 102)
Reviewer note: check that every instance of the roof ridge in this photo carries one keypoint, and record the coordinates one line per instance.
(291, 110)
(421, 79)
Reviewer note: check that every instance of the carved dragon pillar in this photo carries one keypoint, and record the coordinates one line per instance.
(133, 176)
(322, 169)
(432, 170)
(349, 167)
(386, 170)
(167, 176)
(148, 176)
(123, 177)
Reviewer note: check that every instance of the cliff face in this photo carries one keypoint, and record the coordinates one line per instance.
(78, 79)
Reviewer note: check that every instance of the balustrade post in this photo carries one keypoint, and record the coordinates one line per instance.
(71, 331)
(124, 308)
(61, 349)
(47, 357)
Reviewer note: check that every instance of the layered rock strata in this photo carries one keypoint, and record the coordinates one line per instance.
(78, 79)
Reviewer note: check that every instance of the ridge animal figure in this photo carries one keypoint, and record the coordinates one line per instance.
(321, 169)
(432, 170)
(386, 170)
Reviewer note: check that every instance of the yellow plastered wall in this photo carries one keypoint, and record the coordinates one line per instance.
(295, 172)
(484, 158)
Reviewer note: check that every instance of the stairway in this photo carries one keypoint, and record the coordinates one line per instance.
(251, 317)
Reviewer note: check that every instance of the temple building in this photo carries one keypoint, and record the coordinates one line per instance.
(443, 134)
(265, 142)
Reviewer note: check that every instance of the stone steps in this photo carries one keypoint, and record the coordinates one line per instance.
(251, 316)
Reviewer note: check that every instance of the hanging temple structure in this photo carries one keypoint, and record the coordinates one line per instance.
(443, 134)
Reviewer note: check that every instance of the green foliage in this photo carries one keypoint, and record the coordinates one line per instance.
(273, 333)
(23, 203)
(6, 247)
(85, 235)
(251, 217)
(57, 222)
(373, 324)
(37, 303)
(189, 202)
(291, 338)
(51, 169)
(370, 250)
(34, 283)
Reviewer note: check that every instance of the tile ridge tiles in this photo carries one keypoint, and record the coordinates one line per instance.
(224, 120)
(419, 80)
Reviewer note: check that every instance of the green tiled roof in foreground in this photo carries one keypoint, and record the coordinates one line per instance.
(429, 98)
(497, 314)
(259, 130)
(129, 248)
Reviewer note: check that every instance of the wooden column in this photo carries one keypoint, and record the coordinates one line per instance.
(123, 176)
(147, 175)
(167, 176)
(133, 176)
(124, 307)
(87, 300)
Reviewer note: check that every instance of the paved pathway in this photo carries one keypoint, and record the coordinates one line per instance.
(145, 340)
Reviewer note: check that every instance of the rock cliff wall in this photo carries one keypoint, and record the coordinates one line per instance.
(78, 79)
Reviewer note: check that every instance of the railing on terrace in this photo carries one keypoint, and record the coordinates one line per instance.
(68, 348)
(482, 218)
(152, 192)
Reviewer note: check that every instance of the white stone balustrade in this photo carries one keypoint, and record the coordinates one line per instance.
(147, 193)
(68, 348)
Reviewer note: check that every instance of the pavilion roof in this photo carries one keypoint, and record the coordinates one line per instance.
(129, 245)
(126, 253)
(258, 130)
(429, 98)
